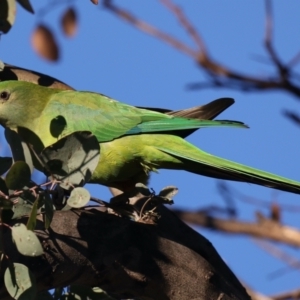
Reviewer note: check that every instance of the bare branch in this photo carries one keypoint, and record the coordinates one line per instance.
(280, 254)
(295, 60)
(264, 228)
(282, 70)
(294, 117)
(255, 295)
(185, 24)
(219, 74)
(289, 295)
(147, 28)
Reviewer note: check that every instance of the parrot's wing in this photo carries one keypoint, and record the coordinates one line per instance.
(206, 112)
(107, 119)
(202, 112)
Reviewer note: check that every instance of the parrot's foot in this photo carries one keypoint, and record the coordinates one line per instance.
(141, 204)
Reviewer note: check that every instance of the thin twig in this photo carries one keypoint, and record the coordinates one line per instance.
(147, 28)
(295, 60)
(289, 295)
(186, 24)
(269, 40)
(259, 202)
(100, 202)
(263, 228)
(219, 74)
(280, 254)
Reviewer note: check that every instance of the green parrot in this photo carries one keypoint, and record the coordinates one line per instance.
(133, 141)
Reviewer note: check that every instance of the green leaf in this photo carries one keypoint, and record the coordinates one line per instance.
(18, 176)
(26, 241)
(79, 197)
(20, 282)
(19, 149)
(32, 217)
(143, 189)
(26, 4)
(72, 159)
(23, 206)
(7, 14)
(168, 192)
(5, 164)
(84, 292)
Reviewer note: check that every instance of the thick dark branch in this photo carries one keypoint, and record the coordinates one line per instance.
(264, 228)
(129, 259)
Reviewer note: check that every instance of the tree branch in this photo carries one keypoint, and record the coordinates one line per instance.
(219, 74)
(128, 259)
(264, 228)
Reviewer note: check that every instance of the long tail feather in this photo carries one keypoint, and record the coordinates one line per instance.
(199, 162)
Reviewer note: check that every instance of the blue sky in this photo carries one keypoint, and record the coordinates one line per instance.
(111, 57)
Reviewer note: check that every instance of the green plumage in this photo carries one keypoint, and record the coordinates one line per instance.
(133, 141)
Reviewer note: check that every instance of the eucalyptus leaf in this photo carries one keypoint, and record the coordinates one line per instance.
(168, 192)
(18, 176)
(79, 197)
(26, 4)
(32, 217)
(20, 282)
(66, 207)
(85, 292)
(7, 14)
(19, 149)
(26, 241)
(20, 210)
(143, 189)
(23, 205)
(5, 164)
(73, 159)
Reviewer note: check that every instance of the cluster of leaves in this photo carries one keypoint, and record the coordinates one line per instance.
(69, 164)
(43, 40)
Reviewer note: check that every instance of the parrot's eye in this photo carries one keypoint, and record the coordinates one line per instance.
(4, 95)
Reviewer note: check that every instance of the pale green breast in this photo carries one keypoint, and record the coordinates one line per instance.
(119, 161)
(127, 157)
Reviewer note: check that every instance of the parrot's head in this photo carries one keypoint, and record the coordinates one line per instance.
(21, 102)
